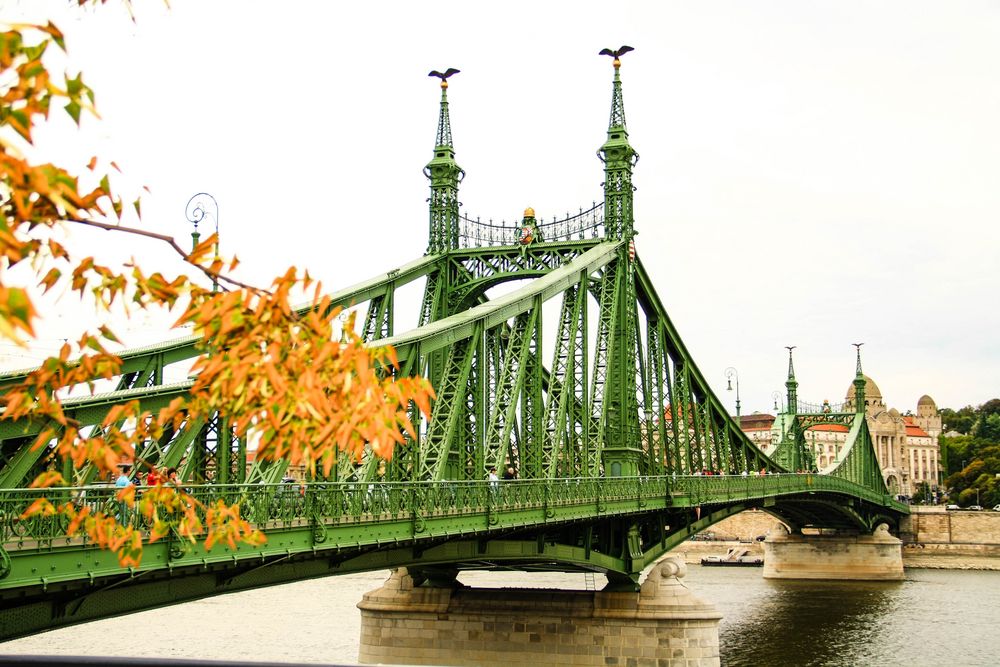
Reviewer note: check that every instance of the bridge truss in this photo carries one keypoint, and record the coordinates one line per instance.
(550, 352)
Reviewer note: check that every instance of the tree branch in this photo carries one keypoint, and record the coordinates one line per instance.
(169, 240)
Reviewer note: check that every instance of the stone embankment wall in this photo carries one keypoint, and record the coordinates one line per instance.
(934, 537)
(744, 526)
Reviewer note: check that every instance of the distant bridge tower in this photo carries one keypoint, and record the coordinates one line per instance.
(791, 384)
(860, 404)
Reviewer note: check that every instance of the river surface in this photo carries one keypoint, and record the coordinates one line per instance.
(934, 617)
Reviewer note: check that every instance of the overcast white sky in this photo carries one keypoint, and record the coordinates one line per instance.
(812, 173)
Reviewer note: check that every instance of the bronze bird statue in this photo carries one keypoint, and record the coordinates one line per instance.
(444, 77)
(618, 53)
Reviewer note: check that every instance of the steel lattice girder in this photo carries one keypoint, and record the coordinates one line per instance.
(348, 527)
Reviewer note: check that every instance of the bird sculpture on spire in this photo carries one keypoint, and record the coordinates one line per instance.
(616, 54)
(444, 77)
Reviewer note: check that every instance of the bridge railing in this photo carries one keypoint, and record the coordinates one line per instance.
(587, 224)
(708, 489)
(276, 505)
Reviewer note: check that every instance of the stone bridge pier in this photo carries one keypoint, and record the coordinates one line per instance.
(875, 557)
(429, 624)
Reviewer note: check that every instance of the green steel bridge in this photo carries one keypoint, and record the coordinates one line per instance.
(574, 375)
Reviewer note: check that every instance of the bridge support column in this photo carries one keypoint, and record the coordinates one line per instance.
(860, 557)
(661, 624)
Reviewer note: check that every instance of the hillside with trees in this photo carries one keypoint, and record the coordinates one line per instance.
(972, 460)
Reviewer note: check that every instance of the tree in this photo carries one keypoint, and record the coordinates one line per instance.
(961, 420)
(309, 389)
(987, 427)
(922, 493)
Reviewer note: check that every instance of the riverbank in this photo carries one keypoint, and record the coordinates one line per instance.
(926, 556)
(952, 556)
(933, 538)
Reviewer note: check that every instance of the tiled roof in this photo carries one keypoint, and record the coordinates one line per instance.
(916, 431)
(756, 421)
(836, 428)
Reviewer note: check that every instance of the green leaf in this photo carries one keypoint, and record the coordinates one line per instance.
(74, 86)
(73, 109)
(19, 306)
(109, 334)
(56, 35)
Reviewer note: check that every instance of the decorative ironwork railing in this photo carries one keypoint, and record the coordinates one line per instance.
(284, 505)
(805, 408)
(587, 224)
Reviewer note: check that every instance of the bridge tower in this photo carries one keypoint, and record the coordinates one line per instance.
(791, 384)
(445, 175)
(860, 406)
(618, 345)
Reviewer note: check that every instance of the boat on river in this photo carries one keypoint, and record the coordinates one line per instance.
(735, 557)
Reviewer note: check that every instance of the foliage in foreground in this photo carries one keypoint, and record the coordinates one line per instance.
(309, 391)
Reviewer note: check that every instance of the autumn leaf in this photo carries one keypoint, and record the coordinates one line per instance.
(41, 506)
(48, 479)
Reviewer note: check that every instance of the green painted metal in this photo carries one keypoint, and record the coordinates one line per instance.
(445, 175)
(534, 524)
(576, 377)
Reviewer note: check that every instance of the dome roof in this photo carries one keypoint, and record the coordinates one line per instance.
(871, 390)
(893, 412)
(926, 400)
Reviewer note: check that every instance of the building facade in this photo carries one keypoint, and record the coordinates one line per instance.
(906, 445)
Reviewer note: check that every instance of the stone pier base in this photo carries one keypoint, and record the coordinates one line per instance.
(661, 624)
(858, 557)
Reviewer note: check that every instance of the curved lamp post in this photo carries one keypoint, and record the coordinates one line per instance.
(197, 208)
(730, 375)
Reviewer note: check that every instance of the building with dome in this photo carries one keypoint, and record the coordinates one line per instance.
(906, 445)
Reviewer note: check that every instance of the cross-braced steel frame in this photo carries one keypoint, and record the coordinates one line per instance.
(550, 353)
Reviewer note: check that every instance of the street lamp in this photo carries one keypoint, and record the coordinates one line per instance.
(778, 396)
(196, 212)
(730, 374)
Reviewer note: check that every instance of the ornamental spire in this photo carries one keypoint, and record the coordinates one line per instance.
(859, 383)
(445, 175)
(619, 157)
(617, 103)
(791, 385)
(444, 122)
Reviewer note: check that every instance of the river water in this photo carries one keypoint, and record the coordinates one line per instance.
(934, 617)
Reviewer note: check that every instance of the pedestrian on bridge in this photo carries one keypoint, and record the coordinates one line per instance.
(123, 482)
(123, 478)
(153, 477)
